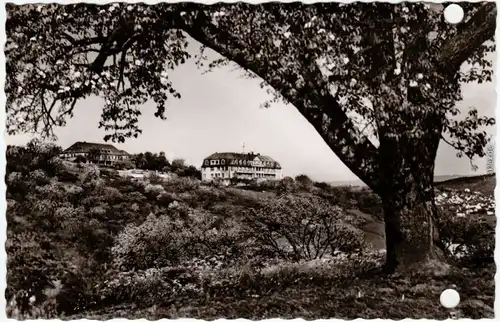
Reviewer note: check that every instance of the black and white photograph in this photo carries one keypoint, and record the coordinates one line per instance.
(264, 160)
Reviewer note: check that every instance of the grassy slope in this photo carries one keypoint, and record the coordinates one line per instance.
(396, 297)
(390, 298)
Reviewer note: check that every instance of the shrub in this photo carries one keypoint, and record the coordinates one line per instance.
(135, 196)
(154, 243)
(80, 159)
(31, 268)
(124, 165)
(39, 176)
(304, 182)
(153, 286)
(165, 198)
(369, 202)
(91, 172)
(74, 190)
(165, 241)
(112, 195)
(471, 239)
(36, 155)
(109, 173)
(182, 184)
(287, 185)
(302, 228)
(67, 176)
(322, 185)
(18, 186)
(153, 178)
(153, 190)
(192, 171)
(268, 185)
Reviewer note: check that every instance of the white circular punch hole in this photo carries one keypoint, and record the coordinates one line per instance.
(453, 13)
(449, 298)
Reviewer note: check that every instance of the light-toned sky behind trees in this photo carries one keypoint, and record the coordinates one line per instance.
(219, 111)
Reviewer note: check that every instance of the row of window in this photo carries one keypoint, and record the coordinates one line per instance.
(237, 162)
(258, 175)
(247, 169)
(102, 157)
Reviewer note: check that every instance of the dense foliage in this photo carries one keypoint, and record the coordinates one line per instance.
(379, 82)
(97, 240)
(159, 162)
(56, 55)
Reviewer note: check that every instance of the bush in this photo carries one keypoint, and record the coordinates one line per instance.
(109, 173)
(189, 171)
(17, 185)
(31, 268)
(124, 165)
(91, 172)
(165, 241)
(369, 202)
(39, 176)
(304, 182)
(182, 184)
(112, 195)
(67, 176)
(80, 159)
(154, 178)
(153, 190)
(298, 228)
(471, 239)
(287, 185)
(154, 243)
(36, 155)
(322, 185)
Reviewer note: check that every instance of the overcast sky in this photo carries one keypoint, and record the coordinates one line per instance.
(219, 111)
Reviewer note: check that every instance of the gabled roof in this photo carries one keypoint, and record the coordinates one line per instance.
(241, 156)
(87, 146)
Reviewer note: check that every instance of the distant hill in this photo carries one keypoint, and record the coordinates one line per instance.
(445, 177)
(347, 183)
(483, 183)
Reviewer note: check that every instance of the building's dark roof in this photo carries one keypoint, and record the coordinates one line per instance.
(87, 146)
(228, 156)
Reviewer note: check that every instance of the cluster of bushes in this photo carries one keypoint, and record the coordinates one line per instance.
(95, 239)
(469, 240)
(159, 162)
(296, 228)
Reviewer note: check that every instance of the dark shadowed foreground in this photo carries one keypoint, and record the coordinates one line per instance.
(85, 242)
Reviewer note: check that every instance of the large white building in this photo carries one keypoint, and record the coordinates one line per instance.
(227, 165)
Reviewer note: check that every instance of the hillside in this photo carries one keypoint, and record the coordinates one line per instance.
(484, 183)
(88, 242)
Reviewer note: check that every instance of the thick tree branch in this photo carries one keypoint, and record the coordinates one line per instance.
(470, 36)
(314, 101)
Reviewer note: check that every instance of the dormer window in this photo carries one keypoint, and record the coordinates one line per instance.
(217, 162)
(207, 162)
(222, 161)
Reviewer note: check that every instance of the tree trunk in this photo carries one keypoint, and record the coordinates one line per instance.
(410, 212)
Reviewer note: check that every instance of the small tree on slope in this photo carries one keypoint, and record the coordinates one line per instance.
(397, 67)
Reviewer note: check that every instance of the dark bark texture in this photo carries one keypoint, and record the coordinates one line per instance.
(410, 212)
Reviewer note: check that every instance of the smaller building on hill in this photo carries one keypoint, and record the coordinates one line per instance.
(227, 165)
(97, 153)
